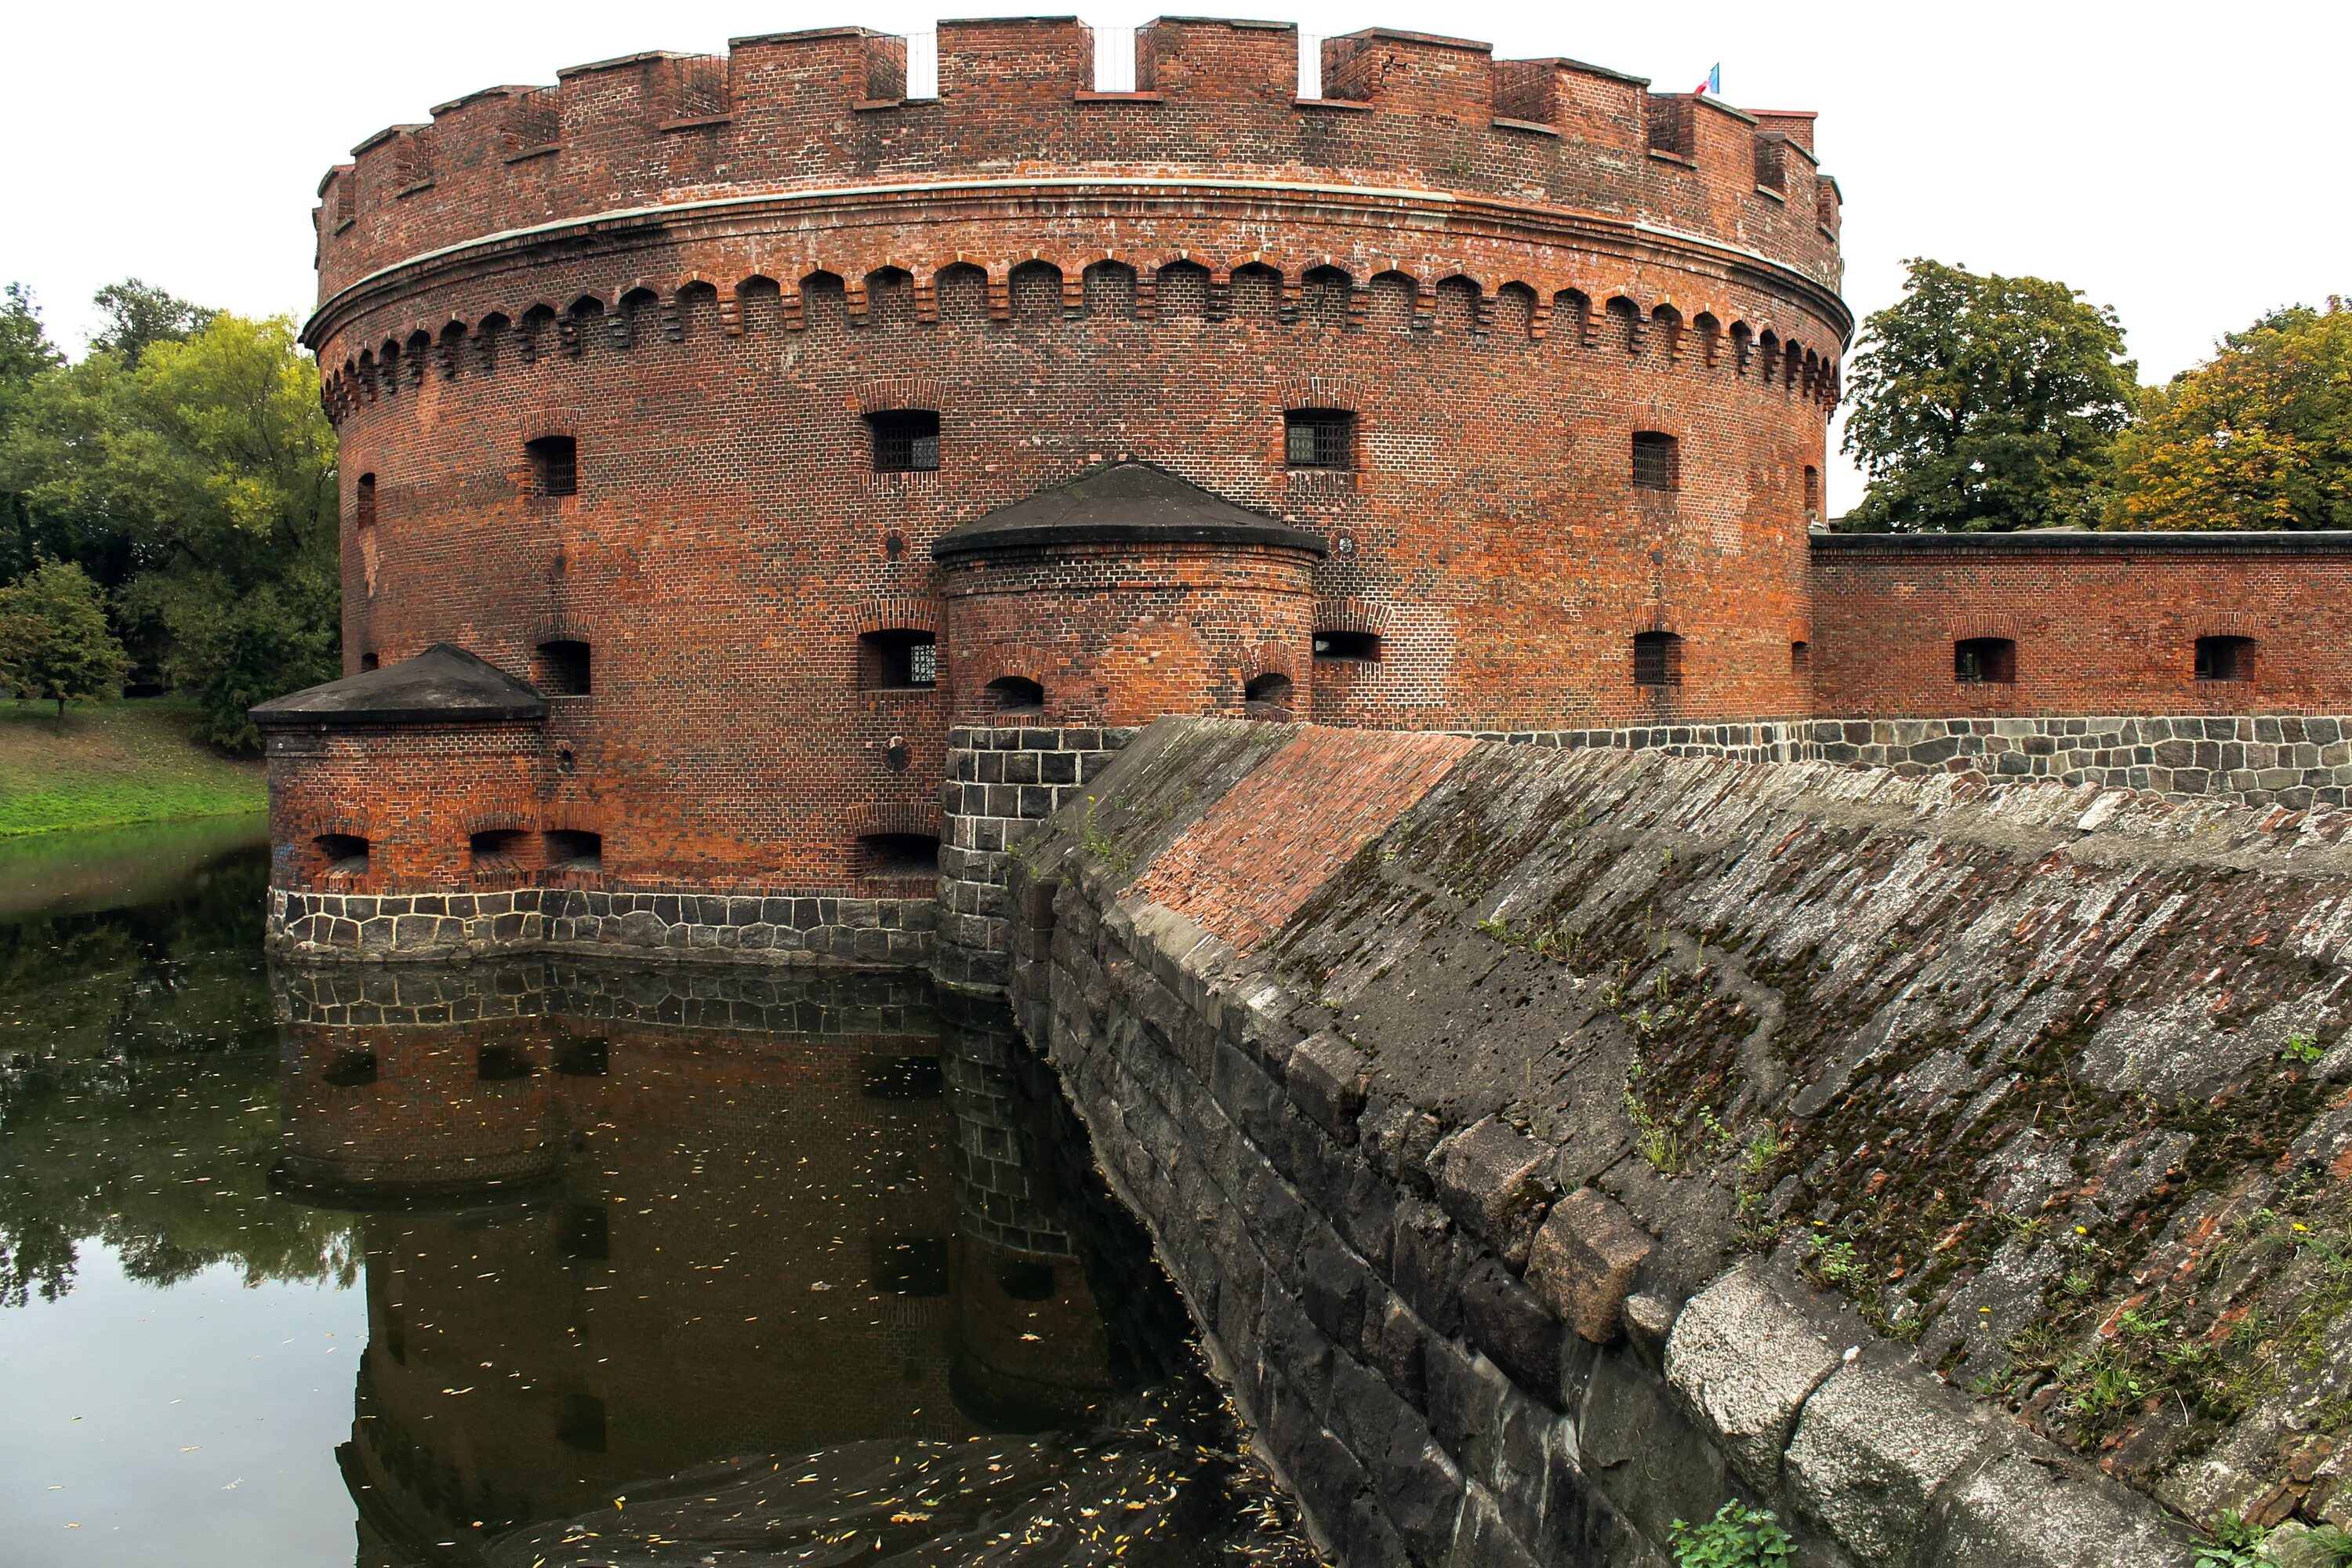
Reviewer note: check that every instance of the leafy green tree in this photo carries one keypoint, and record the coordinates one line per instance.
(1984, 403)
(54, 639)
(139, 315)
(2261, 436)
(25, 354)
(200, 487)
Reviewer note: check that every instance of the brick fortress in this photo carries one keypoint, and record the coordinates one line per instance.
(765, 491)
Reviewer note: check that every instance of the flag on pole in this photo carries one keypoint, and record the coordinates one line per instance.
(1714, 82)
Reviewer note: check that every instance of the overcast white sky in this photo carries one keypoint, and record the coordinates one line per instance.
(2184, 163)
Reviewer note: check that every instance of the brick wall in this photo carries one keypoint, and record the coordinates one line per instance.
(2100, 624)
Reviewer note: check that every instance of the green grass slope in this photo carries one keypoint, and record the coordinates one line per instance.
(114, 763)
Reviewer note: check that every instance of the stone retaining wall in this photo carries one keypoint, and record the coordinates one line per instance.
(1526, 1145)
(735, 928)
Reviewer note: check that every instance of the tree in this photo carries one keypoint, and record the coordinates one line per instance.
(54, 640)
(1984, 402)
(2259, 437)
(25, 354)
(199, 487)
(139, 315)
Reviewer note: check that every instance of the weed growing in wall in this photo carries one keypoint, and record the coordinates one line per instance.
(1737, 1537)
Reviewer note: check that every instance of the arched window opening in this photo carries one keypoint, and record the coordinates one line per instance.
(898, 661)
(498, 851)
(370, 660)
(1657, 461)
(1984, 661)
(1348, 648)
(898, 855)
(1627, 318)
(554, 465)
(2225, 658)
(906, 440)
(341, 854)
(1318, 439)
(364, 501)
(560, 668)
(568, 849)
(1272, 689)
(1015, 694)
(1813, 493)
(1801, 659)
(1657, 659)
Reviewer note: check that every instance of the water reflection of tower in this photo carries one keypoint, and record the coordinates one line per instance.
(631, 1245)
(1033, 1344)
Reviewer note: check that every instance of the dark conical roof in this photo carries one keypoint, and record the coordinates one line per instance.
(443, 685)
(1124, 502)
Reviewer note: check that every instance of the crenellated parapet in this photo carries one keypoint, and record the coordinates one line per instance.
(1406, 118)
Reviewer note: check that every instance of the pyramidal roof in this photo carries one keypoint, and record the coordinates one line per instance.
(443, 685)
(1122, 503)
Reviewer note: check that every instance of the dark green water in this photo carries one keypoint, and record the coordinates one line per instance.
(538, 1262)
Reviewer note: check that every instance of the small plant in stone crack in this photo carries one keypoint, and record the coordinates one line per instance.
(1660, 1142)
(1833, 1259)
(2234, 1543)
(1118, 856)
(1758, 1230)
(2302, 1050)
(1737, 1537)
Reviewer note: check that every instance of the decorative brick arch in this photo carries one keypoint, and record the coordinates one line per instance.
(882, 394)
(1268, 658)
(1352, 615)
(999, 660)
(899, 613)
(1655, 618)
(1965, 627)
(2229, 624)
(1344, 392)
(912, 817)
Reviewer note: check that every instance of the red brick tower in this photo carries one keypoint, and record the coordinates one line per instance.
(766, 423)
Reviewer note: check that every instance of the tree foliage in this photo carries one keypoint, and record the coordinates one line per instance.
(2259, 437)
(187, 467)
(54, 640)
(1984, 403)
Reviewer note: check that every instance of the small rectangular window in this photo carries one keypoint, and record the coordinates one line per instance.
(1656, 462)
(364, 501)
(1813, 493)
(897, 659)
(1318, 439)
(2225, 658)
(560, 668)
(554, 465)
(1800, 659)
(1984, 661)
(905, 441)
(1351, 647)
(1657, 659)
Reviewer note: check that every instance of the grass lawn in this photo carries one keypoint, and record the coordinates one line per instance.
(113, 763)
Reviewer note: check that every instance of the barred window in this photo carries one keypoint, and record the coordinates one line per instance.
(1978, 661)
(891, 660)
(554, 465)
(2225, 658)
(1657, 659)
(1657, 463)
(1319, 438)
(906, 440)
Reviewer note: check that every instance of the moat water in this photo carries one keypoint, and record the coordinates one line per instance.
(554, 1263)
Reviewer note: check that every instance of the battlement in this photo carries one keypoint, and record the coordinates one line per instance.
(1214, 100)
